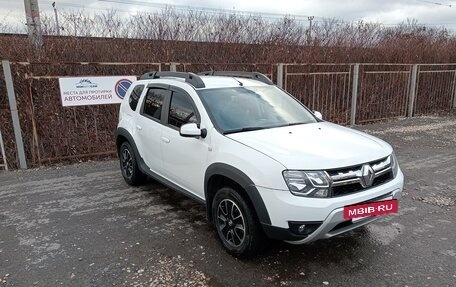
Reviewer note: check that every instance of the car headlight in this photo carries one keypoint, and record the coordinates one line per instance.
(394, 165)
(307, 183)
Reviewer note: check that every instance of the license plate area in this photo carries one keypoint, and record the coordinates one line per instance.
(359, 212)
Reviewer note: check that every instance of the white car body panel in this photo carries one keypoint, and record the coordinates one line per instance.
(315, 146)
(183, 165)
(147, 134)
(259, 167)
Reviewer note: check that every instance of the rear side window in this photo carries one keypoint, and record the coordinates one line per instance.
(153, 102)
(181, 110)
(134, 96)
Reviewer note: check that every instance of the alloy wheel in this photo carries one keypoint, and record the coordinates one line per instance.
(230, 222)
(127, 163)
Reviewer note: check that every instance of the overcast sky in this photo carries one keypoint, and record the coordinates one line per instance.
(388, 12)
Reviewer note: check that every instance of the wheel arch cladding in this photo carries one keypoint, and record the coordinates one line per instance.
(221, 170)
(123, 135)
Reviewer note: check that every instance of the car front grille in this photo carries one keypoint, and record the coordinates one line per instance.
(350, 180)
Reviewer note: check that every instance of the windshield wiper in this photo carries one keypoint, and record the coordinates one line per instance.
(290, 124)
(246, 129)
(295, 124)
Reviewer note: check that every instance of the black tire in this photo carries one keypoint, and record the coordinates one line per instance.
(239, 241)
(129, 166)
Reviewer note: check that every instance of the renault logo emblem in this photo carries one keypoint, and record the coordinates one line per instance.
(367, 175)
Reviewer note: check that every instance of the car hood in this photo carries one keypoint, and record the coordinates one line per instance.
(315, 146)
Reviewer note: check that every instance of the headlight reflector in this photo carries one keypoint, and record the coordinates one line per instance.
(307, 183)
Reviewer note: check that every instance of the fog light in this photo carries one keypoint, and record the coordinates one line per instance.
(303, 228)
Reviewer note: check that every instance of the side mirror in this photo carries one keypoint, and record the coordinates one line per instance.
(318, 115)
(191, 130)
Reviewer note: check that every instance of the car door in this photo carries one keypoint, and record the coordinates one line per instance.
(149, 125)
(184, 158)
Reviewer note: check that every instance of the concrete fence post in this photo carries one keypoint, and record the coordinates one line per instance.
(14, 114)
(354, 95)
(173, 67)
(3, 154)
(280, 75)
(412, 95)
(454, 91)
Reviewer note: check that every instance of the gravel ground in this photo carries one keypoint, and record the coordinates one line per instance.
(81, 225)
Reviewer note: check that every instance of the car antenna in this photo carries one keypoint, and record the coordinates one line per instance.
(240, 83)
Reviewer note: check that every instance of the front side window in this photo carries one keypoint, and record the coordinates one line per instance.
(134, 96)
(153, 102)
(181, 110)
(240, 109)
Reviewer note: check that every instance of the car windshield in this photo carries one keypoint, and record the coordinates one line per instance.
(241, 109)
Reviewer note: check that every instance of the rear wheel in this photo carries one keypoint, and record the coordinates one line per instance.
(129, 166)
(235, 221)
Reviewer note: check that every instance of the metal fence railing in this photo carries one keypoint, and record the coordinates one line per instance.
(267, 69)
(322, 87)
(53, 133)
(383, 92)
(344, 93)
(435, 88)
(360, 93)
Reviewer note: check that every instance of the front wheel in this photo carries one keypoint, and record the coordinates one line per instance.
(237, 226)
(129, 166)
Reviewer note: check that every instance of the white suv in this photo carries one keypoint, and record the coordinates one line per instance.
(261, 161)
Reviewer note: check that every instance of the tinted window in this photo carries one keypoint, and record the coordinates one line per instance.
(153, 102)
(181, 110)
(134, 96)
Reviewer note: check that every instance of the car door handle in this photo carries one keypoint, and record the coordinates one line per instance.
(138, 127)
(165, 140)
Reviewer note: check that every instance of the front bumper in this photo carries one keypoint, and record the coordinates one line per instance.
(283, 207)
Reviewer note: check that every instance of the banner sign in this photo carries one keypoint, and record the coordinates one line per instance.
(84, 91)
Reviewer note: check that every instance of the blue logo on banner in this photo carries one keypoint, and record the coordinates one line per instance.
(121, 87)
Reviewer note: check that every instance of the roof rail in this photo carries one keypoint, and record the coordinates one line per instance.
(249, 75)
(190, 78)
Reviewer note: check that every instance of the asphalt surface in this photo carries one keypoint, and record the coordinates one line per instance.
(81, 225)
